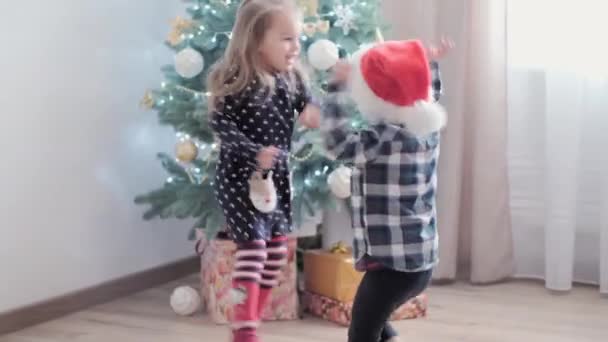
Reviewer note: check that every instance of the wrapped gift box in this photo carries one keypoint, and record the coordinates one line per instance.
(341, 312)
(331, 274)
(217, 260)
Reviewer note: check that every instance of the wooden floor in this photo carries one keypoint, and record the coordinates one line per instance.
(521, 311)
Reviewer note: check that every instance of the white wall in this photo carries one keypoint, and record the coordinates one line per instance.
(75, 147)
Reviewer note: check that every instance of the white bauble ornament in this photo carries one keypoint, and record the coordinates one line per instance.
(185, 300)
(323, 54)
(339, 182)
(189, 63)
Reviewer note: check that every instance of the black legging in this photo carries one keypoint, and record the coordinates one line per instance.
(380, 293)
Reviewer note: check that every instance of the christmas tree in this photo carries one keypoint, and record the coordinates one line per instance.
(332, 29)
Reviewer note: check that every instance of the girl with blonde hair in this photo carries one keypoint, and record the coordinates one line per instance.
(256, 89)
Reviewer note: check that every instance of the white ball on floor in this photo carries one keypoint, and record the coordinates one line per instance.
(189, 63)
(323, 54)
(185, 300)
(339, 182)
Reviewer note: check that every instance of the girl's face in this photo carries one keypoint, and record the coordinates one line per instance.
(280, 46)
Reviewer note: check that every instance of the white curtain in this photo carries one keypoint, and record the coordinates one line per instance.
(558, 133)
(473, 202)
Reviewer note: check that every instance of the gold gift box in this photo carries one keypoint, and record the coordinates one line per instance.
(332, 274)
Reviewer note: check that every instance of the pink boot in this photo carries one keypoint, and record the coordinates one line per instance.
(276, 250)
(245, 335)
(246, 291)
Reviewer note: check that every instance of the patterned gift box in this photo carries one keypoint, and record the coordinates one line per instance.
(217, 260)
(341, 312)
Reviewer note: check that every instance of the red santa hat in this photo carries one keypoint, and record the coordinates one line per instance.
(391, 81)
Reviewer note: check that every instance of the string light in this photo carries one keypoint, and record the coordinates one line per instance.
(188, 90)
(303, 158)
(317, 173)
(170, 180)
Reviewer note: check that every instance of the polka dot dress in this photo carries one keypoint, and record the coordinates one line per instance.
(244, 124)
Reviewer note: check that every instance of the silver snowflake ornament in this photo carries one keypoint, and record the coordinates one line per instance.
(346, 18)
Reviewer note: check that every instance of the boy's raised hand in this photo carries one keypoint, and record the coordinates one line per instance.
(436, 52)
(311, 116)
(341, 72)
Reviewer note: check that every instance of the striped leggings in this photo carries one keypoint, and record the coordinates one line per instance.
(256, 271)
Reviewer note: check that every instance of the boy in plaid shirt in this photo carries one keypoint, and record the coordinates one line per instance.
(394, 175)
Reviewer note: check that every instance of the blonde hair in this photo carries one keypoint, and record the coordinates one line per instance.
(240, 64)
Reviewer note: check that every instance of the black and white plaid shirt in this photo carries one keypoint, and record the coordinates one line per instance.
(393, 188)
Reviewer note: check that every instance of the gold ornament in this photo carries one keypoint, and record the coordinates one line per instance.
(310, 7)
(148, 100)
(309, 29)
(178, 26)
(339, 248)
(174, 37)
(186, 151)
(181, 23)
(323, 26)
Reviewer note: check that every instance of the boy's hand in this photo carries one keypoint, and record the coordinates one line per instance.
(436, 52)
(311, 116)
(266, 157)
(341, 71)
